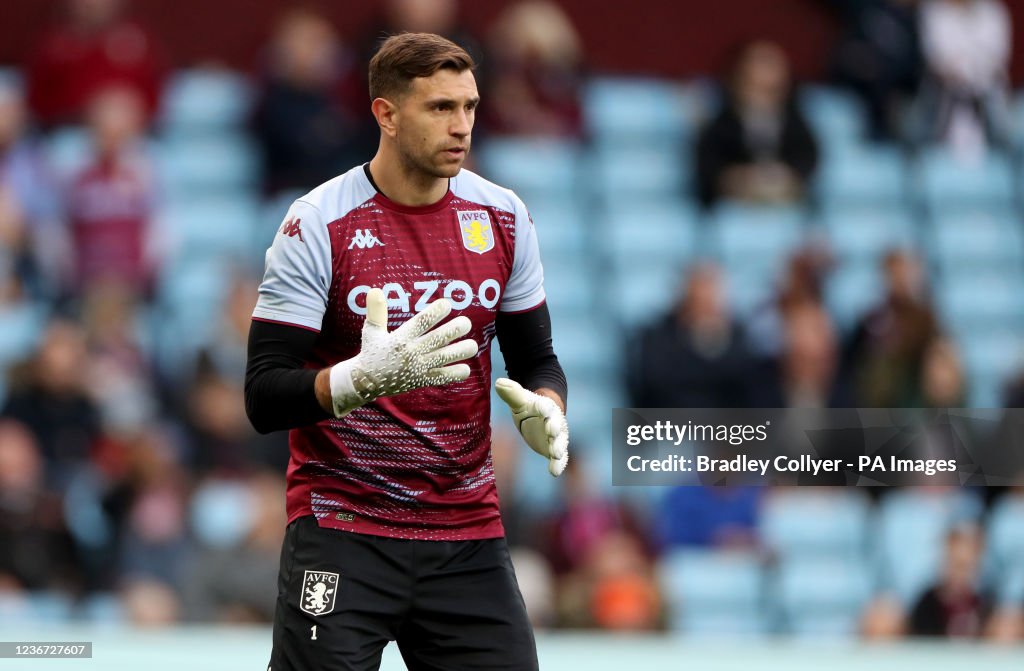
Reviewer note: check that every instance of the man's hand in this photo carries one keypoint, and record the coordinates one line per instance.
(540, 421)
(412, 356)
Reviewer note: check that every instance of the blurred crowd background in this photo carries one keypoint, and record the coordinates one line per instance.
(734, 238)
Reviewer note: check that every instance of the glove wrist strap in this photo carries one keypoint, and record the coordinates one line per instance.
(344, 396)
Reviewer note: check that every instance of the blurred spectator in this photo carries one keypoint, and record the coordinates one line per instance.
(883, 619)
(802, 282)
(29, 235)
(955, 607)
(48, 396)
(120, 379)
(506, 448)
(585, 517)
(807, 374)
(422, 16)
(942, 377)
(37, 550)
(888, 346)
(95, 48)
(614, 589)
(879, 58)
(967, 47)
(241, 524)
(154, 543)
(227, 353)
(150, 603)
(312, 120)
(111, 201)
(536, 73)
(704, 345)
(712, 517)
(758, 148)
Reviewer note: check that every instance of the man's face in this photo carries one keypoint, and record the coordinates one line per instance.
(435, 121)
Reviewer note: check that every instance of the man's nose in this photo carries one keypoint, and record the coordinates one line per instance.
(461, 125)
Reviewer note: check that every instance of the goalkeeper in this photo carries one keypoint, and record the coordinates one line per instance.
(370, 343)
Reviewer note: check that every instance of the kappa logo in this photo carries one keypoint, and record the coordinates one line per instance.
(292, 227)
(364, 239)
(319, 590)
(475, 226)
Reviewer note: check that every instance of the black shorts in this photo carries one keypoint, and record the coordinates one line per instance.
(450, 605)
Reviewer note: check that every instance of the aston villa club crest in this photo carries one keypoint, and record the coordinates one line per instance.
(475, 227)
(319, 589)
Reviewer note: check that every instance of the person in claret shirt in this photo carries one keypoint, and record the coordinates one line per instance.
(111, 201)
(395, 531)
(94, 49)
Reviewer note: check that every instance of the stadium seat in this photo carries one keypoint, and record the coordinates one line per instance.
(632, 174)
(663, 230)
(223, 162)
(68, 150)
(836, 116)
(569, 288)
(1006, 532)
(858, 173)
(911, 529)
(23, 324)
(561, 227)
(713, 592)
(205, 100)
(992, 354)
(760, 235)
(624, 111)
(980, 300)
(852, 290)
(864, 233)
(980, 237)
(639, 294)
(213, 225)
(818, 522)
(822, 598)
(532, 168)
(948, 182)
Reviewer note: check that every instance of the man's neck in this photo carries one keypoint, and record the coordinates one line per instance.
(404, 186)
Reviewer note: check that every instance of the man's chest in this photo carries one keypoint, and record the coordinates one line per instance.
(463, 252)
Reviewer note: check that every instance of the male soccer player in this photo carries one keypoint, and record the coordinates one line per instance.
(394, 531)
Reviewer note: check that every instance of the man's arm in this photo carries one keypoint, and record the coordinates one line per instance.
(526, 345)
(280, 392)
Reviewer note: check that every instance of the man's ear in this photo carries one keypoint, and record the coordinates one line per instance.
(385, 112)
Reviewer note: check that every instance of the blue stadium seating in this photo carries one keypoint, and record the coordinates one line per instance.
(852, 290)
(948, 182)
(712, 592)
(631, 175)
(855, 174)
(815, 522)
(662, 231)
(201, 100)
(208, 165)
(624, 111)
(866, 231)
(972, 300)
(821, 597)
(214, 225)
(836, 116)
(911, 527)
(1006, 532)
(982, 237)
(532, 168)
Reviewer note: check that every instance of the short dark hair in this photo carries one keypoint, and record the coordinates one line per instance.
(402, 58)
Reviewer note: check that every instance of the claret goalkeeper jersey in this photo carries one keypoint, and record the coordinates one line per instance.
(415, 465)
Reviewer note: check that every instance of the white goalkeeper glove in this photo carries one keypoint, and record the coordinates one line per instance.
(541, 422)
(412, 356)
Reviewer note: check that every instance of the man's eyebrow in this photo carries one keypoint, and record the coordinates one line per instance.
(475, 100)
